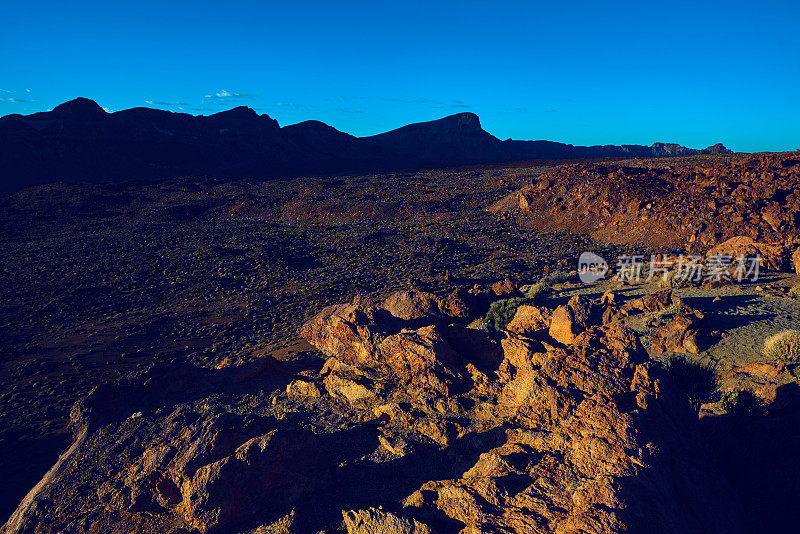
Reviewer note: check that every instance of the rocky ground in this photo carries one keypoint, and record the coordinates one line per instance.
(407, 382)
(672, 203)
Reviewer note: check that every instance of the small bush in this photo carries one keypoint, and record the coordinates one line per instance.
(697, 379)
(537, 290)
(501, 312)
(794, 293)
(784, 345)
(557, 277)
(660, 317)
(742, 404)
(477, 324)
(675, 281)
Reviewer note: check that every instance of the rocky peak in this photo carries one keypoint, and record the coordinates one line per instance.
(79, 108)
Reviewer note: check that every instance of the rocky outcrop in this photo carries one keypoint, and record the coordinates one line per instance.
(773, 256)
(450, 429)
(596, 436)
(599, 440)
(376, 521)
(571, 319)
(691, 205)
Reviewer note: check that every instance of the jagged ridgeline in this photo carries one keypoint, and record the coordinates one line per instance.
(78, 140)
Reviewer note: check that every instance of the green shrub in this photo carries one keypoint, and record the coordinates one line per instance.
(794, 293)
(674, 281)
(501, 312)
(784, 345)
(742, 404)
(537, 290)
(477, 324)
(697, 379)
(660, 317)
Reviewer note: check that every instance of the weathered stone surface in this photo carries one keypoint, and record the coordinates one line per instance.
(346, 331)
(682, 335)
(217, 475)
(346, 388)
(303, 388)
(528, 320)
(504, 288)
(413, 305)
(652, 302)
(601, 441)
(772, 255)
(267, 472)
(571, 319)
(520, 355)
(796, 261)
(419, 358)
(377, 521)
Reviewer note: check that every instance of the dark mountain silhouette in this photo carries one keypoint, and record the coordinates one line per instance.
(78, 140)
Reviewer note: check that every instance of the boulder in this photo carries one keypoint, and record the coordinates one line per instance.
(347, 331)
(681, 335)
(652, 302)
(413, 305)
(571, 319)
(346, 388)
(303, 388)
(420, 360)
(528, 320)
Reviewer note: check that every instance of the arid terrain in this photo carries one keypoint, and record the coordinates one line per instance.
(401, 352)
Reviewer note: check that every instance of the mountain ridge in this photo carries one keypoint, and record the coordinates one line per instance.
(80, 141)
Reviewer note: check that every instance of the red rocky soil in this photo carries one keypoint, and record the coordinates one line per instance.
(679, 204)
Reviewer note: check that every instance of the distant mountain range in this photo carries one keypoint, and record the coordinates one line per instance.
(79, 141)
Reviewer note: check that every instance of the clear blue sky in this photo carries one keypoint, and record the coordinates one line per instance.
(594, 72)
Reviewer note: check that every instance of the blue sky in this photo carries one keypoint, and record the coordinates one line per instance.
(584, 73)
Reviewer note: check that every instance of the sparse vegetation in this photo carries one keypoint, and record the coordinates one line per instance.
(538, 290)
(742, 404)
(502, 311)
(675, 280)
(795, 292)
(697, 379)
(784, 345)
(660, 317)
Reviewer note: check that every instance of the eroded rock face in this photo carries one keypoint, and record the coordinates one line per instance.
(773, 256)
(461, 431)
(599, 441)
(376, 521)
(529, 320)
(682, 335)
(571, 319)
(212, 469)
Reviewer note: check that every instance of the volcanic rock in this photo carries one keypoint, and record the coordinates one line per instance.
(529, 320)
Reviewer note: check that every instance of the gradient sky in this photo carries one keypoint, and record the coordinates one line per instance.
(595, 72)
